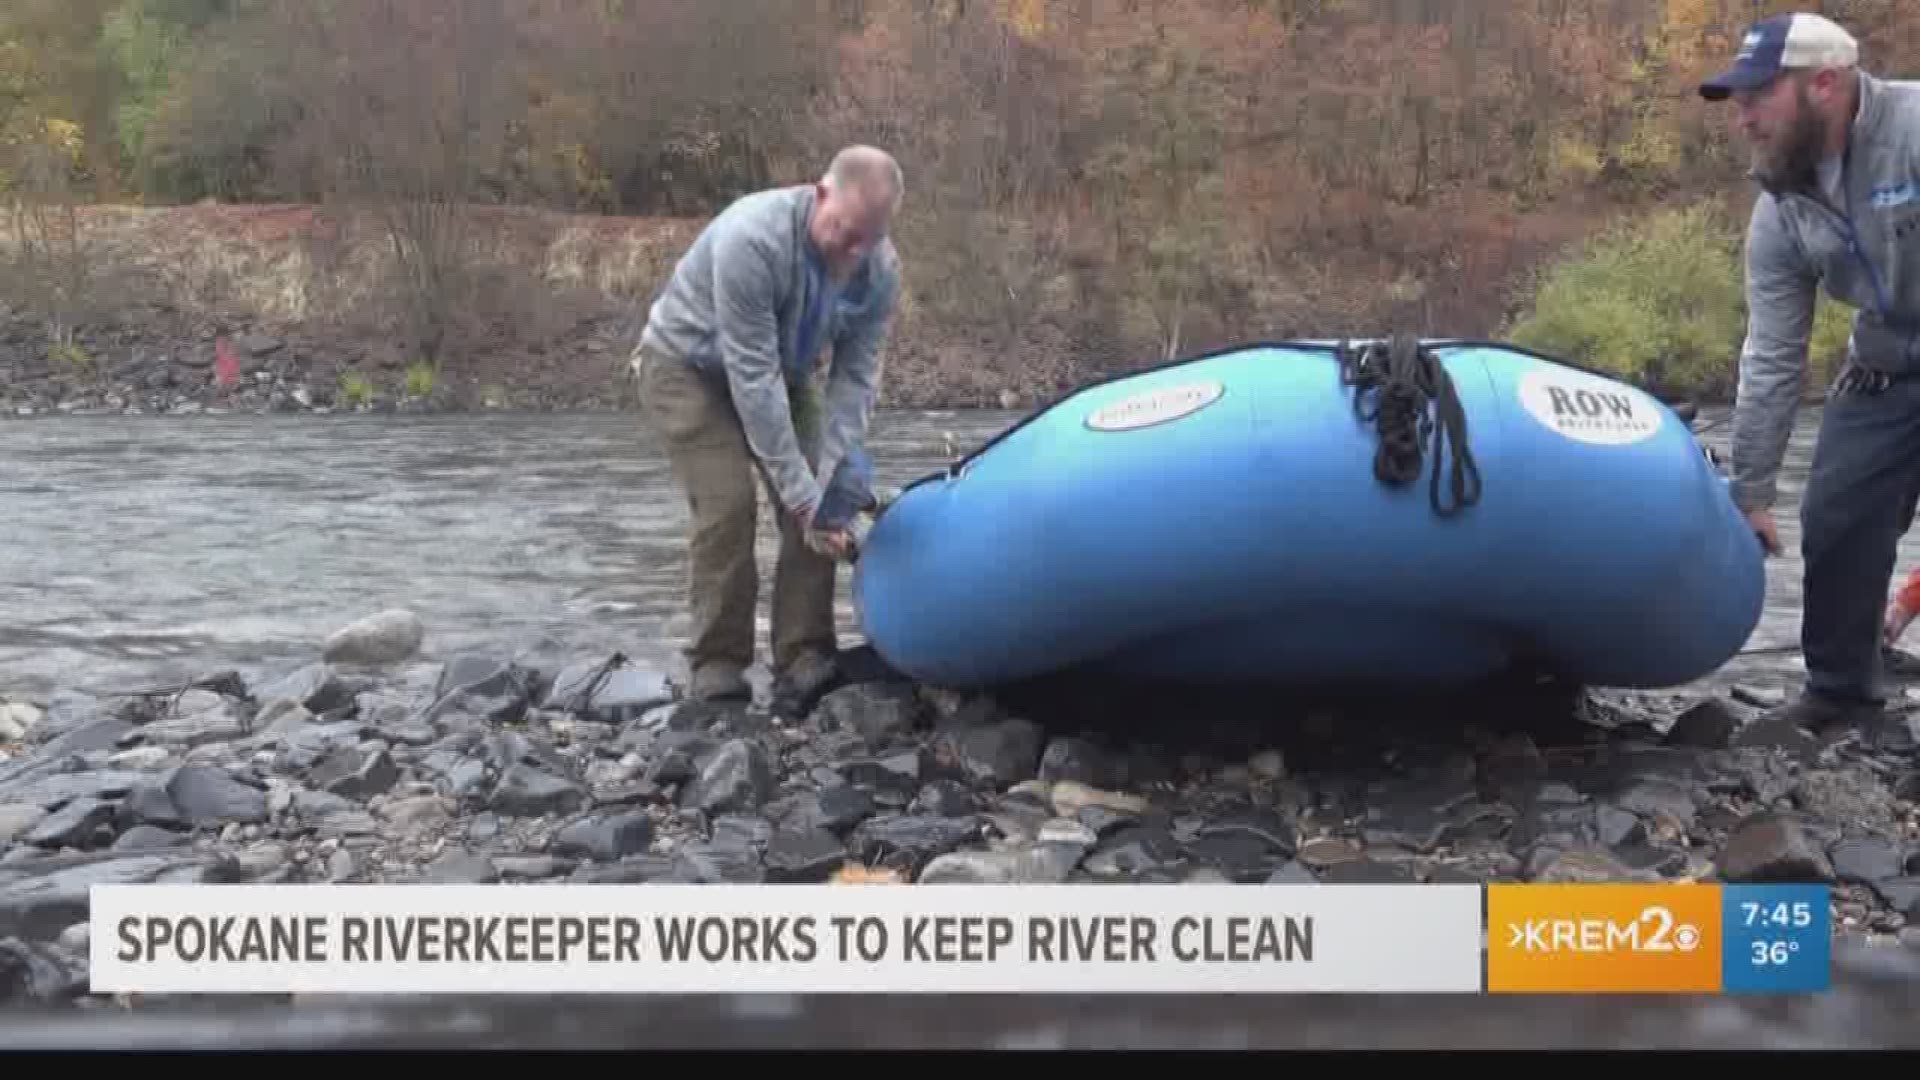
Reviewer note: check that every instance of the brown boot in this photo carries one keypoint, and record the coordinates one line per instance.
(799, 686)
(719, 681)
(1818, 713)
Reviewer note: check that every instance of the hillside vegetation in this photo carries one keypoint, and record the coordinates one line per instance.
(477, 199)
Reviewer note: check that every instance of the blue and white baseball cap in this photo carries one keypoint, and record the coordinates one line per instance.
(1783, 42)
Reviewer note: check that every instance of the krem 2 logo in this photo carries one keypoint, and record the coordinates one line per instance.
(1654, 931)
(1564, 937)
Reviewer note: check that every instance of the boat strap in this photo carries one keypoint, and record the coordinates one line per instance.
(1394, 381)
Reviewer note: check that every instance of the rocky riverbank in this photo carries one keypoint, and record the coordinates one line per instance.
(378, 762)
(156, 364)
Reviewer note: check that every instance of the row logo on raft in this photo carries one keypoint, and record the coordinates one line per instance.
(1590, 410)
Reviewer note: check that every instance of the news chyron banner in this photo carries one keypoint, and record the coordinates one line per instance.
(791, 938)
(954, 938)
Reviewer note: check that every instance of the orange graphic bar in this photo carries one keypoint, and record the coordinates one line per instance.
(1601, 938)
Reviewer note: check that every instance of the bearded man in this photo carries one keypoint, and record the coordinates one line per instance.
(1836, 155)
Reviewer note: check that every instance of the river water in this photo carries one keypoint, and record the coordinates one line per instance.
(142, 550)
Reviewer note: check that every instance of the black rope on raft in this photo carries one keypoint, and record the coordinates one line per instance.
(1394, 383)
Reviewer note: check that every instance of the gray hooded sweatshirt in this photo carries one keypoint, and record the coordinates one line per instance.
(750, 306)
(1861, 240)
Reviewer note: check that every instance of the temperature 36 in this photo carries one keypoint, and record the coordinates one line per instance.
(1777, 938)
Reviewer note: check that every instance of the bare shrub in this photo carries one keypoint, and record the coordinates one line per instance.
(407, 110)
(53, 268)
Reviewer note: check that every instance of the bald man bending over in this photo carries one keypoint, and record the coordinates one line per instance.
(729, 378)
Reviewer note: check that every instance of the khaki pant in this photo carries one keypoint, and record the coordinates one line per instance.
(713, 465)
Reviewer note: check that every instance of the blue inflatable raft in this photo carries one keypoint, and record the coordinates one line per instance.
(1273, 514)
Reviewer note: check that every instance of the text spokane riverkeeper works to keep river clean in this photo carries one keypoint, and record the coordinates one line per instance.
(783, 938)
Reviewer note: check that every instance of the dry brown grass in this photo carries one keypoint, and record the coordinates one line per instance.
(551, 301)
(536, 285)
(283, 264)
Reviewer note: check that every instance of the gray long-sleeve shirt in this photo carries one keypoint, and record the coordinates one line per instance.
(1864, 247)
(736, 307)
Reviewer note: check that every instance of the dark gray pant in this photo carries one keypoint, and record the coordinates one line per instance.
(1860, 498)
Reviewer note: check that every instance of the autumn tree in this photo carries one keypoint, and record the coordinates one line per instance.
(637, 107)
(974, 99)
(407, 110)
(50, 158)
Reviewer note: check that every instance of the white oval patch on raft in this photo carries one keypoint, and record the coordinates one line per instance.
(1589, 410)
(1155, 406)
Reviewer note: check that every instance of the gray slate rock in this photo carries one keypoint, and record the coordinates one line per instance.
(1773, 847)
(736, 776)
(524, 791)
(206, 797)
(39, 900)
(222, 722)
(316, 688)
(876, 712)
(804, 855)
(605, 837)
(617, 696)
(79, 824)
(16, 819)
(356, 773)
(38, 974)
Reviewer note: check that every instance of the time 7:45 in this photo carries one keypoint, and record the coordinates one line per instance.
(1782, 913)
